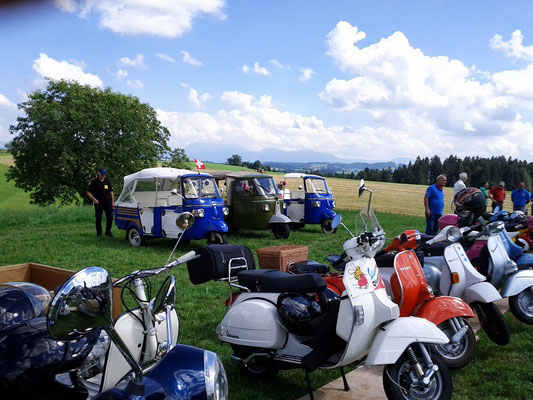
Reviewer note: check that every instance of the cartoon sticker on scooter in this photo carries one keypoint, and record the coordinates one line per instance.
(361, 278)
(373, 272)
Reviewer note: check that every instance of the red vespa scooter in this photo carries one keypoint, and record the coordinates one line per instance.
(415, 297)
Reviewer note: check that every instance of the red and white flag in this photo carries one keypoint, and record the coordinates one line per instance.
(199, 164)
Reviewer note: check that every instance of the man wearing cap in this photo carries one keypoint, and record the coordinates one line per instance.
(520, 198)
(100, 192)
(497, 195)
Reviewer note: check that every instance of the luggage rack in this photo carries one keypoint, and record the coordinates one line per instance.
(232, 279)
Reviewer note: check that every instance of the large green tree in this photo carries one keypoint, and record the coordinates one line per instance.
(70, 130)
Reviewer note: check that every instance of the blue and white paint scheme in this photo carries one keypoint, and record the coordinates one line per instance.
(153, 198)
(311, 203)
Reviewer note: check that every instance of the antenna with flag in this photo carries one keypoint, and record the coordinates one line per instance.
(199, 165)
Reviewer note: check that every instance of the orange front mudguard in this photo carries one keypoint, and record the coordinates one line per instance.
(440, 309)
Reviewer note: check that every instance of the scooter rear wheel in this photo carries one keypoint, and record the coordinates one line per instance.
(492, 321)
(521, 305)
(261, 370)
(401, 382)
(456, 355)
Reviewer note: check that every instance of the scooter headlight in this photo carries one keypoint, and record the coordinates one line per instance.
(225, 211)
(333, 204)
(315, 204)
(216, 381)
(453, 234)
(199, 212)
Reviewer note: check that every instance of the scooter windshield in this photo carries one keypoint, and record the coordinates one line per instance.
(316, 185)
(370, 221)
(200, 187)
(265, 186)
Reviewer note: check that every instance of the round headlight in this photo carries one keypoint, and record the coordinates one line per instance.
(453, 234)
(333, 204)
(216, 381)
(225, 210)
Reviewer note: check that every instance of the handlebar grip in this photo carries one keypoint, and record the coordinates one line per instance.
(186, 257)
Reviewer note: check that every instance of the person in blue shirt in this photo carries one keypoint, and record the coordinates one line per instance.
(434, 204)
(520, 198)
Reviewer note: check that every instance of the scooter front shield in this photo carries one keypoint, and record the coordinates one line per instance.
(393, 338)
(517, 282)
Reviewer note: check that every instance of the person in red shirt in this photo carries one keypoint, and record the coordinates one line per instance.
(497, 195)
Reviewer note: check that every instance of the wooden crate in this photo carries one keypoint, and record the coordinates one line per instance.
(48, 277)
(279, 257)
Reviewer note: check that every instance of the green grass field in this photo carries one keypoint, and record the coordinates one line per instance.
(65, 237)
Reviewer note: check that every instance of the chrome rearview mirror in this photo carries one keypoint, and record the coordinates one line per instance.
(361, 187)
(185, 221)
(166, 295)
(82, 304)
(335, 222)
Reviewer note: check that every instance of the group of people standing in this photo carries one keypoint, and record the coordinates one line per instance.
(434, 198)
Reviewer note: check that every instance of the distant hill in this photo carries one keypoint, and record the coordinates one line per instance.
(330, 168)
(220, 152)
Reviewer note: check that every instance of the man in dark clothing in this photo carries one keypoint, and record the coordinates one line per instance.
(100, 192)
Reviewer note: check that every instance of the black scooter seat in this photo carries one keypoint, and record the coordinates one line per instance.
(274, 281)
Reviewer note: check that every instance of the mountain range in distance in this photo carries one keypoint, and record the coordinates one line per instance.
(289, 161)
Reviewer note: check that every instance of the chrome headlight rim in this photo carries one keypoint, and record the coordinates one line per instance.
(453, 234)
(216, 381)
(225, 211)
(198, 212)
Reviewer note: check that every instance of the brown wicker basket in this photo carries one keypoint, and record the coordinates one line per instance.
(279, 257)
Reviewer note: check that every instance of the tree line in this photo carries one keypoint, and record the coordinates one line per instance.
(424, 171)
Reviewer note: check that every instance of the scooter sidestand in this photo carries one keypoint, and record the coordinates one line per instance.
(344, 380)
(309, 387)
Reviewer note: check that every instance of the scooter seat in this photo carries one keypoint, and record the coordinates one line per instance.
(274, 281)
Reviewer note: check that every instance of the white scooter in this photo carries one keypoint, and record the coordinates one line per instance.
(449, 272)
(282, 321)
(502, 272)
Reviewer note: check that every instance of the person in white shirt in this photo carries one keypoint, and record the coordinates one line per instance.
(458, 186)
(461, 183)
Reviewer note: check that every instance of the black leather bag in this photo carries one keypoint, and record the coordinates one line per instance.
(214, 261)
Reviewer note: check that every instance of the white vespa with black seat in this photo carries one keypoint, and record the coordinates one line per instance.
(282, 321)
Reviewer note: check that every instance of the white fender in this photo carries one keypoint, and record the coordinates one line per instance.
(482, 291)
(253, 323)
(517, 282)
(393, 338)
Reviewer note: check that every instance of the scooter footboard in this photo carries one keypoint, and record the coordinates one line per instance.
(484, 292)
(393, 338)
(517, 282)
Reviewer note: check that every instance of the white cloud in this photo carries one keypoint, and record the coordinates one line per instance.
(514, 47)
(137, 84)
(137, 62)
(196, 100)
(258, 69)
(167, 18)
(67, 5)
(188, 59)
(277, 64)
(165, 57)
(48, 67)
(121, 74)
(6, 103)
(307, 73)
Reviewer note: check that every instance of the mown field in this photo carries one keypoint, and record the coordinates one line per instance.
(65, 237)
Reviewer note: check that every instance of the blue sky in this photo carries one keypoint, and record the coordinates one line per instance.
(359, 80)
